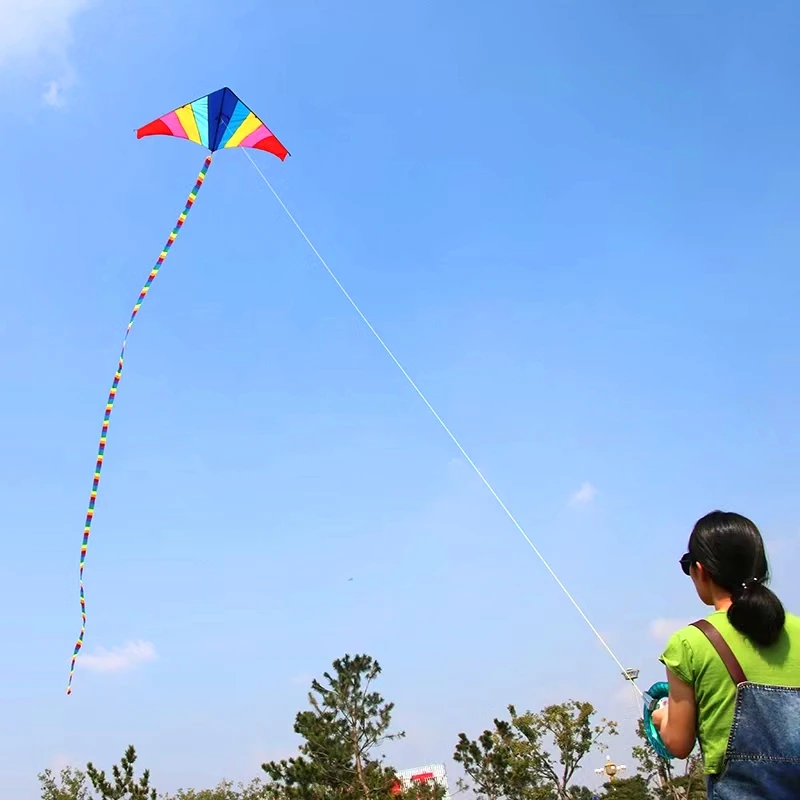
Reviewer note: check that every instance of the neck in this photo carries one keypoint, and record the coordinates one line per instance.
(722, 603)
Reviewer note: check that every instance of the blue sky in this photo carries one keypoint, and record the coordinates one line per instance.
(576, 225)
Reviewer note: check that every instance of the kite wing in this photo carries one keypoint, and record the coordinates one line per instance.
(217, 121)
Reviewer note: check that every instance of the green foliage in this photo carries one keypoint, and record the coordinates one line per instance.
(528, 756)
(492, 769)
(634, 788)
(512, 761)
(227, 790)
(692, 784)
(124, 786)
(347, 721)
(421, 791)
(571, 728)
(580, 793)
(660, 777)
(69, 785)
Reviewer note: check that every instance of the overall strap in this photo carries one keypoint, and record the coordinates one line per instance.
(725, 652)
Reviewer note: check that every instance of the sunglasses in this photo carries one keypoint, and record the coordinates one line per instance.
(686, 562)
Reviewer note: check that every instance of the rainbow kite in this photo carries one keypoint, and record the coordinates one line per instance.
(217, 121)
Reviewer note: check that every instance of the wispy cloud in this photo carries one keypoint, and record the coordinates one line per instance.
(130, 655)
(55, 91)
(584, 495)
(661, 629)
(39, 33)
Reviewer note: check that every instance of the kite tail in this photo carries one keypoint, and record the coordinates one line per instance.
(110, 404)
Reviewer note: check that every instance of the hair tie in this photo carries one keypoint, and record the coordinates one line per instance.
(747, 584)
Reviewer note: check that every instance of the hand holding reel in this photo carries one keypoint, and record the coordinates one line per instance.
(655, 697)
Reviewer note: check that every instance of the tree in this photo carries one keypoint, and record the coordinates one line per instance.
(227, 790)
(512, 761)
(692, 784)
(580, 793)
(69, 785)
(494, 769)
(429, 790)
(660, 777)
(634, 788)
(124, 786)
(347, 721)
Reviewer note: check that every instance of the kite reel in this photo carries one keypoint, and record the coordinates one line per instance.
(655, 697)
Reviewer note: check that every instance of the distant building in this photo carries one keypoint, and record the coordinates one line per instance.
(430, 772)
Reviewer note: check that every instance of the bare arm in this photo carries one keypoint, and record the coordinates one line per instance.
(677, 721)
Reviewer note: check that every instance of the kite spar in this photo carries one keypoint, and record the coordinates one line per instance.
(217, 121)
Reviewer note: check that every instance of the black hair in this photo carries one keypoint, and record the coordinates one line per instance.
(731, 549)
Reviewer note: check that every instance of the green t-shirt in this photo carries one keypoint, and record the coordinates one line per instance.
(694, 660)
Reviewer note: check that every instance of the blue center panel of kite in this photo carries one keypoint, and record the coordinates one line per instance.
(221, 107)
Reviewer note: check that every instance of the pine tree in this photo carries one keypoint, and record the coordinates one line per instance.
(347, 721)
(124, 786)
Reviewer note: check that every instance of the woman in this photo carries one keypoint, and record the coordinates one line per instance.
(750, 735)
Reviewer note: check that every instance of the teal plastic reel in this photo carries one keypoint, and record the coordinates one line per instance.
(652, 699)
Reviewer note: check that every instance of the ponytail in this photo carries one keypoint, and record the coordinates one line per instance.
(757, 613)
(731, 549)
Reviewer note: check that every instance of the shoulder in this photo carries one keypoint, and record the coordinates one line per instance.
(680, 653)
(688, 635)
(687, 650)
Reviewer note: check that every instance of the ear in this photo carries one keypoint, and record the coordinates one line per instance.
(701, 573)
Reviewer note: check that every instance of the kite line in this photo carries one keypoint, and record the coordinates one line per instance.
(441, 422)
(112, 396)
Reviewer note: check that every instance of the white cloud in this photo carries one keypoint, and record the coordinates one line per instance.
(54, 95)
(584, 495)
(662, 629)
(130, 655)
(39, 33)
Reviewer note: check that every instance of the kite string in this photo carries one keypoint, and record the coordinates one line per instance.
(112, 396)
(440, 421)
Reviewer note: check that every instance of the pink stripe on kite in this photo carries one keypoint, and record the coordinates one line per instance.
(256, 136)
(174, 124)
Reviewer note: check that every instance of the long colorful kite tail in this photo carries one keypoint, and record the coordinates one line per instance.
(110, 404)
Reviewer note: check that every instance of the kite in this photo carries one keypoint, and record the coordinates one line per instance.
(218, 121)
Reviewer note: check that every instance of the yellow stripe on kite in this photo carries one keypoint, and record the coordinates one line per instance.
(186, 118)
(251, 123)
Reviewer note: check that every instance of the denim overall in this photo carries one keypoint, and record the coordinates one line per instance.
(762, 761)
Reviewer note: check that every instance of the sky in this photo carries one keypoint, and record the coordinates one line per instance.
(574, 223)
